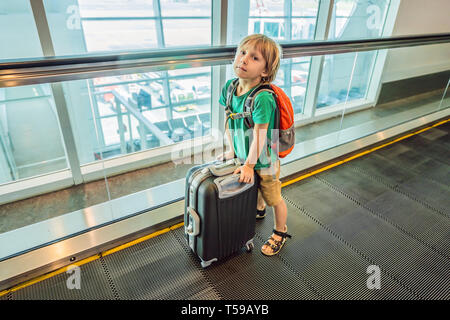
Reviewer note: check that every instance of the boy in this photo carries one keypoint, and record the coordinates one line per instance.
(257, 62)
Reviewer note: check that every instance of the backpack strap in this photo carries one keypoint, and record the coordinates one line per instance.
(250, 102)
(230, 91)
(228, 110)
(248, 108)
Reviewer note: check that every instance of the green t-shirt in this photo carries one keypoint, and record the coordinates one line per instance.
(263, 112)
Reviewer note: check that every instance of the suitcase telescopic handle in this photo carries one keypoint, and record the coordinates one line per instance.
(230, 186)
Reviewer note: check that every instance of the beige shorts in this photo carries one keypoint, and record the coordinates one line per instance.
(270, 184)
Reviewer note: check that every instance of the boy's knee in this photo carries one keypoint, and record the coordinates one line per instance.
(274, 201)
(281, 204)
(272, 193)
(270, 185)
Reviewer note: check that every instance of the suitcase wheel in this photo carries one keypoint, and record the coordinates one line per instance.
(249, 247)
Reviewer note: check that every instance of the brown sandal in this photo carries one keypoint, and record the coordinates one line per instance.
(276, 245)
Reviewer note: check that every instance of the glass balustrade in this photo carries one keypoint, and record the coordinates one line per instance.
(74, 152)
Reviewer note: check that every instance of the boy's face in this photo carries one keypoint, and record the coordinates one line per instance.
(249, 63)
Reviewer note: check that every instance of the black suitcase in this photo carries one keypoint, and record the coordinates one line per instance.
(220, 212)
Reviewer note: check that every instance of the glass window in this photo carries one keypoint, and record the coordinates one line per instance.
(135, 112)
(110, 129)
(115, 8)
(79, 27)
(304, 8)
(351, 19)
(30, 138)
(337, 78)
(272, 18)
(303, 29)
(264, 8)
(357, 19)
(18, 31)
(299, 80)
(187, 32)
(119, 35)
(185, 8)
(274, 28)
(256, 26)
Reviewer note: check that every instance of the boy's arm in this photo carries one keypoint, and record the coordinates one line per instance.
(230, 141)
(230, 153)
(264, 106)
(258, 144)
(223, 102)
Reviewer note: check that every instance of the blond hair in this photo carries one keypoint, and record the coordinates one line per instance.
(270, 50)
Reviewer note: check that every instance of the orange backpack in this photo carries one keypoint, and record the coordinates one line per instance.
(284, 117)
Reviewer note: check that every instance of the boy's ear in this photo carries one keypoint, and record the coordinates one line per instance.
(265, 73)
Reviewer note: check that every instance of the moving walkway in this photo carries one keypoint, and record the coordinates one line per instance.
(388, 208)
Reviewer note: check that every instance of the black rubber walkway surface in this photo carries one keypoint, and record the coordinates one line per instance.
(390, 208)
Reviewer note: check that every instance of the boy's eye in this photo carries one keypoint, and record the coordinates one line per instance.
(255, 58)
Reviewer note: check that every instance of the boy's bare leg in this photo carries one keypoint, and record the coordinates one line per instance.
(280, 212)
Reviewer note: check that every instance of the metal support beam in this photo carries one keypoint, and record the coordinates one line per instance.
(325, 13)
(45, 39)
(67, 132)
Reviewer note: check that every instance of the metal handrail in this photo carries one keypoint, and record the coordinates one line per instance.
(64, 68)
